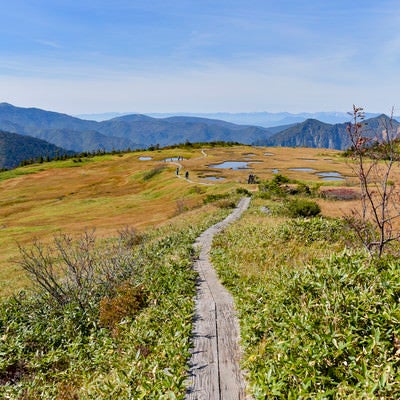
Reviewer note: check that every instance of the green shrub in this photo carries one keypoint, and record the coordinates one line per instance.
(280, 179)
(243, 191)
(274, 187)
(302, 208)
(210, 198)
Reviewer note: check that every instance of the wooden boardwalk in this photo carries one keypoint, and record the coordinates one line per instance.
(214, 365)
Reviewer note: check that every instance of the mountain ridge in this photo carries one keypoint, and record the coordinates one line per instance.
(317, 134)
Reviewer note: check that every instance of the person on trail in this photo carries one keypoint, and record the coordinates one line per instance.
(187, 174)
(177, 170)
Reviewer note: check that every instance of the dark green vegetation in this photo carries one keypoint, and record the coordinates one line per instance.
(116, 326)
(318, 319)
(16, 148)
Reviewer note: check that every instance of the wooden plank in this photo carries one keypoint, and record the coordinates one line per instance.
(232, 385)
(214, 372)
(204, 381)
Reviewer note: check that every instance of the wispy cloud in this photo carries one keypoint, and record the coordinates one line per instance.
(48, 43)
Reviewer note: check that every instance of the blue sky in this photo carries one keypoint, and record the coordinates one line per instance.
(200, 56)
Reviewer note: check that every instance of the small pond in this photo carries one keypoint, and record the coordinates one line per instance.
(275, 171)
(170, 159)
(302, 169)
(145, 158)
(231, 165)
(331, 176)
(214, 178)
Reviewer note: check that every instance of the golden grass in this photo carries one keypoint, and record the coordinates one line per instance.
(109, 192)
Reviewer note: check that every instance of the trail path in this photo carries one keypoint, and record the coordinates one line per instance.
(180, 166)
(214, 365)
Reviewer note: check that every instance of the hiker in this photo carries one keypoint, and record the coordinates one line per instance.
(251, 179)
(187, 174)
(177, 170)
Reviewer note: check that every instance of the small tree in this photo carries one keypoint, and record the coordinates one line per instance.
(374, 160)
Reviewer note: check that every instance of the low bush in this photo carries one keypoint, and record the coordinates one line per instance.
(210, 198)
(126, 303)
(243, 191)
(153, 172)
(225, 203)
(302, 208)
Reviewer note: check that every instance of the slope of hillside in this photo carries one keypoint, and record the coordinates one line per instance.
(15, 148)
(81, 141)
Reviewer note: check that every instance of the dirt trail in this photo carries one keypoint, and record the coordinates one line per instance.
(180, 166)
(214, 365)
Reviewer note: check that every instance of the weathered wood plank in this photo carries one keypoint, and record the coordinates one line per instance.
(214, 372)
(231, 380)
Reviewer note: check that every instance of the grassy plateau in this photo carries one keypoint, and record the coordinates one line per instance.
(113, 235)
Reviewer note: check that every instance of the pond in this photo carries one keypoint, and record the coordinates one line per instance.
(170, 159)
(214, 178)
(231, 165)
(331, 176)
(145, 158)
(275, 171)
(302, 169)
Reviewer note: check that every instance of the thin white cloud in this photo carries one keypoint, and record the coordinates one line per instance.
(48, 43)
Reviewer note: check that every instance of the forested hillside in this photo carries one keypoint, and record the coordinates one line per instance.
(16, 148)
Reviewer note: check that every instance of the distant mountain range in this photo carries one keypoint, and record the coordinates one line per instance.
(16, 148)
(263, 119)
(136, 131)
